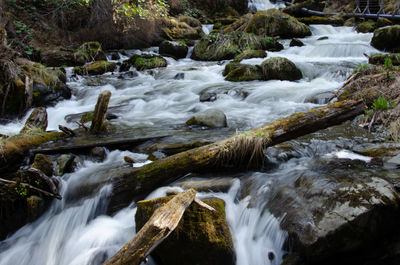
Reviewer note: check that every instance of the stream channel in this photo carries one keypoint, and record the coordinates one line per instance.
(77, 231)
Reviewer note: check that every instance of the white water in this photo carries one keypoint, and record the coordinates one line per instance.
(75, 231)
(261, 5)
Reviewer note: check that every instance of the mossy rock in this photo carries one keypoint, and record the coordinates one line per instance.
(276, 23)
(144, 61)
(248, 54)
(178, 29)
(44, 164)
(387, 38)
(217, 47)
(380, 58)
(281, 69)
(202, 236)
(331, 20)
(245, 72)
(366, 26)
(230, 67)
(191, 21)
(173, 49)
(96, 68)
(93, 50)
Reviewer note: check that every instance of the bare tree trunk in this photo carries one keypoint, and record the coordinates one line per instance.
(240, 151)
(160, 225)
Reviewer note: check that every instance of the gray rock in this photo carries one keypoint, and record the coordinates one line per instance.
(98, 153)
(174, 49)
(215, 185)
(296, 42)
(281, 69)
(208, 96)
(213, 118)
(67, 163)
(395, 160)
(179, 76)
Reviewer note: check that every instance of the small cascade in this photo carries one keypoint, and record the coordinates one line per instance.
(207, 28)
(258, 5)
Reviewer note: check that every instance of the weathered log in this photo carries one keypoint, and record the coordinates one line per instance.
(241, 151)
(57, 196)
(37, 119)
(54, 189)
(14, 149)
(100, 112)
(164, 220)
(66, 130)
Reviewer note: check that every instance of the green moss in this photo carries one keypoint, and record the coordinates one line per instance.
(367, 26)
(96, 68)
(146, 61)
(248, 54)
(245, 73)
(281, 69)
(380, 58)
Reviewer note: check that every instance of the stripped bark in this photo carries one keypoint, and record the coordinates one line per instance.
(163, 221)
(240, 151)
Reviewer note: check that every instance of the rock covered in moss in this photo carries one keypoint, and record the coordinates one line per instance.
(96, 68)
(67, 163)
(273, 23)
(248, 54)
(44, 164)
(216, 47)
(331, 216)
(328, 20)
(202, 237)
(281, 69)
(87, 52)
(213, 118)
(245, 72)
(143, 62)
(37, 120)
(380, 58)
(230, 67)
(179, 30)
(387, 38)
(191, 21)
(173, 49)
(366, 26)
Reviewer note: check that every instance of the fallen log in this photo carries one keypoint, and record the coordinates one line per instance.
(240, 151)
(160, 225)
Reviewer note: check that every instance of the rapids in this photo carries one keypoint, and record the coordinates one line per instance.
(77, 231)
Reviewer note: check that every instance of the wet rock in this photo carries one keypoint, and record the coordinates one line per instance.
(335, 215)
(129, 160)
(248, 54)
(366, 26)
(128, 75)
(274, 23)
(179, 76)
(380, 58)
(66, 163)
(98, 153)
(35, 207)
(214, 185)
(328, 20)
(44, 164)
(245, 72)
(217, 47)
(296, 42)
(281, 69)
(395, 161)
(115, 56)
(96, 68)
(323, 38)
(230, 67)
(37, 120)
(202, 236)
(208, 96)
(213, 118)
(143, 62)
(387, 38)
(320, 98)
(85, 117)
(173, 49)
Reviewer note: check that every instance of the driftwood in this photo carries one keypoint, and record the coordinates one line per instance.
(57, 196)
(66, 130)
(54, 189)
(240, 151)
(160, 225)
(100, 112)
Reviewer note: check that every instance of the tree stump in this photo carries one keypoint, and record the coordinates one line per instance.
(100, 112)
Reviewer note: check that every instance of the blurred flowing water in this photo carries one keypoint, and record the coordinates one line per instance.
(76, 229)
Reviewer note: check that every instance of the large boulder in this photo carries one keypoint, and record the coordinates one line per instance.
(276, 23)
(173, 49)
(329, 217)
(176, 29)
(213, 118)
(248, 54)
(245, 72)
(44, 164)
(202, 236)
(216, 47)
(143, 62)
(281, 69)
(387, 38)
(96, 68)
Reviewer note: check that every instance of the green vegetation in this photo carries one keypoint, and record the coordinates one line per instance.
(361, 68)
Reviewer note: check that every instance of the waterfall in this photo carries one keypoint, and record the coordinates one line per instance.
(258, 5)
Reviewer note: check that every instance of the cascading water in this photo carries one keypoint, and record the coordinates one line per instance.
(76, 231)
(261, 5)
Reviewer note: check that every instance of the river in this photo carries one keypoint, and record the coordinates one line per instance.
(77, 231)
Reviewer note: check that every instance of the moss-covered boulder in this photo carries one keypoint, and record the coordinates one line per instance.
(143, 62)
(366, 26)
(191, 21)
(380, 58)
(387, 38)
(213, 118)
(44, 164)
(334, 216)
(281, 69)
(96, 68)
(176, 29)
(248, 54)
(87, 52)
(202, 236)
(173, 49)
(230, 67)
(276, 23)
(328, 20)
(34, 86)
(216, 47)
(245, 72)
